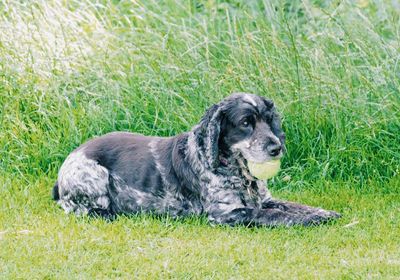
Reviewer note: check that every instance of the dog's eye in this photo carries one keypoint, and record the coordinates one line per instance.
(245, 123)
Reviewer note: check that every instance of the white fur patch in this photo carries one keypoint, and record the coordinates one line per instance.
(153, 150)
(82, 184)
(250, 100)
(194, 154)
(244, 144)
(171, 192)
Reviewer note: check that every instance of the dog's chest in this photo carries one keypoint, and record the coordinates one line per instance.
(251, 193)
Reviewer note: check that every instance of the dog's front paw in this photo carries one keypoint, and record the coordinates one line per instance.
(328, 213)
(333, 214)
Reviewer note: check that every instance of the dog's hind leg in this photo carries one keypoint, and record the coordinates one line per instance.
(82, 186)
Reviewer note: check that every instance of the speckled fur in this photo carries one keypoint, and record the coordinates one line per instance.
(190, 174)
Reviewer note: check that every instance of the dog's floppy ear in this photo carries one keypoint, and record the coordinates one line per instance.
(207, 134)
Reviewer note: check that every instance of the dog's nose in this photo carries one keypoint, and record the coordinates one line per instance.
(274, 150)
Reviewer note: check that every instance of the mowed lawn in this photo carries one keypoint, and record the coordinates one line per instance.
(73, 70)
(38, 241)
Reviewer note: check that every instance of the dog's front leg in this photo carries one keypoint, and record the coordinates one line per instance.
(275, 215)
(316, 214)
(226, 207)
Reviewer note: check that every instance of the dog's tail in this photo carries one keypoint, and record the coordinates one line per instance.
(55, 193)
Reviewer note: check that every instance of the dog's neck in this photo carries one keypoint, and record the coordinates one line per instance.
(235, 162)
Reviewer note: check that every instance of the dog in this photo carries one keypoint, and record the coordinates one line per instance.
(200, 172)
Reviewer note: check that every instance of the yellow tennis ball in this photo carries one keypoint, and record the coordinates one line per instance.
(264, 170)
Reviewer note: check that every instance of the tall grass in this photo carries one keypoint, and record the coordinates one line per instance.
(70, 70)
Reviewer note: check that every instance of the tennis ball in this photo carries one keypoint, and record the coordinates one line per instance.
(264, 170)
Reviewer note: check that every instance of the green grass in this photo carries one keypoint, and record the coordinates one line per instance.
(73, 70)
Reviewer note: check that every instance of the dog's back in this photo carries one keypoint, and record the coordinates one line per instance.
(122, 172)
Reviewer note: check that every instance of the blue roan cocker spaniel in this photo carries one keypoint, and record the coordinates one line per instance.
(203, 171)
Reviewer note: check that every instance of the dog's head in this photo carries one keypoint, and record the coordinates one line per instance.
(243, 124)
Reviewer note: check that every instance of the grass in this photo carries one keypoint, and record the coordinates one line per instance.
(73, 70)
